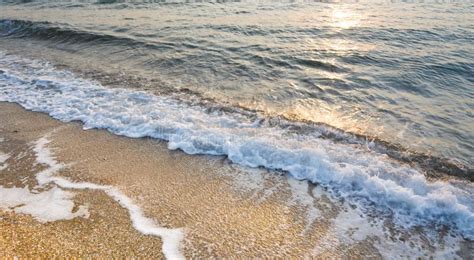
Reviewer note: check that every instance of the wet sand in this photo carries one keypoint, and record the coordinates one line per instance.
(176, 189)
(225, 210)
(107, 232)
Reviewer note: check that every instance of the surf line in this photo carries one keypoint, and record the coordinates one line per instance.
(171, 238)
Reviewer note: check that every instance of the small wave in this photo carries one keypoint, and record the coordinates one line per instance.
(60, 34)
(364, 177)
(317, 64)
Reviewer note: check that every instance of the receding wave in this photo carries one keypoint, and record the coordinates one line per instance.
(363, 176)
(432, 165)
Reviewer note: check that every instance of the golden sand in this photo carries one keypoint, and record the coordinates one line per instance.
(201, 194)
(177, 190)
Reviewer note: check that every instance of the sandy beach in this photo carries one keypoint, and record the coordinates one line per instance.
(222, 209)
(175, 189)
(236, 129)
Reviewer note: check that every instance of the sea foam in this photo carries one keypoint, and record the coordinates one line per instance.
(171, 237)
(54, 204)
(3, 159)
(364, 177)
(51, 205)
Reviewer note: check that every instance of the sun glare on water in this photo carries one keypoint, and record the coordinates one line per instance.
(344, 18)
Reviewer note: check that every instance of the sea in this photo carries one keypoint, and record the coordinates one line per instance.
(372, 100)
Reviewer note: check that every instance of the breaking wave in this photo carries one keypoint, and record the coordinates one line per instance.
(363, 176)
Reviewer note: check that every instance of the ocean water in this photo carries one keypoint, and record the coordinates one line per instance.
(398, 72)
(373, 101)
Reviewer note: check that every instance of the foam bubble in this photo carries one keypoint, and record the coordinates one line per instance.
(301, 196)
(364, 177)
(46, 205)
(56, 204)
(351, 226)
(3, 159)
(51, 205)
(171, 237)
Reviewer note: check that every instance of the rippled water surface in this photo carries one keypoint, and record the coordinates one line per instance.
(400, 72)
(371, 102)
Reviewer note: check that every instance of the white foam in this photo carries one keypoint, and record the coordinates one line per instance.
(46, 205)
(51, 205)
(253, 181)
(360, 176)
(301, 196)
(171, 237)
(3, 159)
(44, 156)
(352, 226)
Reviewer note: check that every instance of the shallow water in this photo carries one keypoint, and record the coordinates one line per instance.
(223, 209)
(371, 101)
(396, 71)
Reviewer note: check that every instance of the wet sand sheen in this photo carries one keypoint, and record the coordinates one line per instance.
(176, 189)
(225, 210)
(24, 236)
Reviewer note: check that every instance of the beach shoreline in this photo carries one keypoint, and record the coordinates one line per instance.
(224, 129)
(139, 167)
(223, 209)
